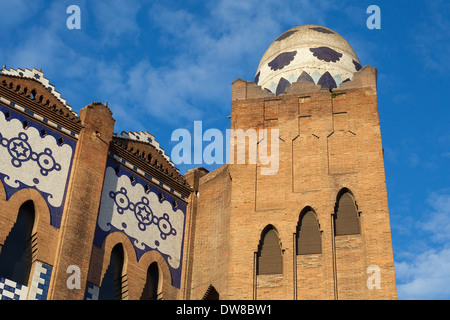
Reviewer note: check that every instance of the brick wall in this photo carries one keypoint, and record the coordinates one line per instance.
(210, 256)
(327, 142)
(80, 214)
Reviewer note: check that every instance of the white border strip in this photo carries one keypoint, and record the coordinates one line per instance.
(38, 117)
(145, 175)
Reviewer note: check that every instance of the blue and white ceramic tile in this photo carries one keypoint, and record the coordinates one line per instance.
(40, 281)
(146, 214)
(37, 75)
(92, 292)
(11, 290)
(31, 159)
(147, 137)
(311, 50)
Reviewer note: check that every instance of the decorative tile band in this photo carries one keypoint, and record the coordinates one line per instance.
(152, 218)
(40, 281)
(92, 292)
(142, 173)
(36, 116)
(39, 76)
(146, 137)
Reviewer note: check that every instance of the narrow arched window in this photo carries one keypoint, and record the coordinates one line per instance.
(111, 287)
(15, 257)
(211, 294)
(308, 234)
(270, 260)
(150, 291)
(346, 215)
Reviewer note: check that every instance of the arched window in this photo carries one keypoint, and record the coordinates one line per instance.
(150, 291)
(111, 287)
(211, 294)
(308, 234)
(270, 260)
(346, 215)
(15, 257)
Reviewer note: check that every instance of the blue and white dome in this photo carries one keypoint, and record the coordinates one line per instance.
(308, 53)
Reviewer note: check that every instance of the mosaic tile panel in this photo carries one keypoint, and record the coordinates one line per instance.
(10, 290)
(34, 156)
(40, 281)
(152, 218)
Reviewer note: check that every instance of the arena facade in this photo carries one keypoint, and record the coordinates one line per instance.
(87, 213)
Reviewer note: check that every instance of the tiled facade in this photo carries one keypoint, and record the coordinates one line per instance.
(110, 205)
(90, 190)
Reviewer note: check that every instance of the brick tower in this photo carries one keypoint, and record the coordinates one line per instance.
(315, 223)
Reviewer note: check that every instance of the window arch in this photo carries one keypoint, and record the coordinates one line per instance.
(308, 234)
(111, 287)
(346, 218)
(15, 256)
(152, 283)
(270, 259)
(211, 293)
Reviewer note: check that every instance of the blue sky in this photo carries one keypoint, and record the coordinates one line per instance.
(161, 65)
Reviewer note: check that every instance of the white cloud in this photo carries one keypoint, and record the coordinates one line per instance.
(17, 12)
(433, 50)
(438, 222)
(165, 92)
(423, 271)
(427, 276)
(206, 53)
(116, 19)
(189, 75)
(413, 160)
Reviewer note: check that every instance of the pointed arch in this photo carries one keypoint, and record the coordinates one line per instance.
(10, 208)
(346, 217)
(270, 258)
(308, 235)
(164, 276)
(16, 254)
(152, 288)
(111, 287)
(43, 233)
(125, 254)
(211, 293)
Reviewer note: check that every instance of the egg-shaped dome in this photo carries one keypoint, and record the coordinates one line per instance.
(308, 53)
